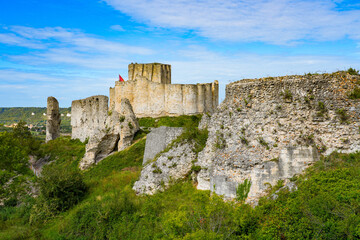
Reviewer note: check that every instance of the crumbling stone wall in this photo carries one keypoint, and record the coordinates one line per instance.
(106, 131)
(53, 119)
(271, 129)
(88, 116)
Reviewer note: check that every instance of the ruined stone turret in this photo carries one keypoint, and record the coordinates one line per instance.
(53, 119)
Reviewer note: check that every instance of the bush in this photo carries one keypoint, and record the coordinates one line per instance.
(60, 189)
(355, 94)
(342, 114)
(15, 174)
(242, 191)
(353, 71)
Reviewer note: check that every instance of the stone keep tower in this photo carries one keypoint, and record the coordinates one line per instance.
(151, 93)
(155, 72)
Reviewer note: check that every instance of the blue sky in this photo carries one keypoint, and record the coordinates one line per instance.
(72, 49)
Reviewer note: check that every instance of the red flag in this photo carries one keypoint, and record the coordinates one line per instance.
(121, 79)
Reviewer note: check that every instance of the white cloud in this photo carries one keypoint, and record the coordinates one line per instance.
(70, 47)
(271, 21)
(12, 39)
(77, 40)
(117, 28)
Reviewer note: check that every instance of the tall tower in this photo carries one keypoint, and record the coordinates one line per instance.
(155, 72)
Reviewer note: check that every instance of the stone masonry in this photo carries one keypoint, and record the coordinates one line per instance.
(151, 93)
(271, 129)
(266, 130)
(106, 131)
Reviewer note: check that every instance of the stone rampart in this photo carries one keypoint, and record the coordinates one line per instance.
(273, 128)
(151, 99)
(88, 116)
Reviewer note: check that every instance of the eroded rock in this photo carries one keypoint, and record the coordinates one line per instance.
(106, 131)
(53, 119)
(169, 166)
(158, 139)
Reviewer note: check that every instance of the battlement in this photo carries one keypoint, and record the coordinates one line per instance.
(155, 72)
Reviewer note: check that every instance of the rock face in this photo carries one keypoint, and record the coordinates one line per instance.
(172, 165)
(129, 124)
(271, 129)
(106, 131)
(53, 119)
(158, 139)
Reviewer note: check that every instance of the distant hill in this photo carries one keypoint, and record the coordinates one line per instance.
(32, 115)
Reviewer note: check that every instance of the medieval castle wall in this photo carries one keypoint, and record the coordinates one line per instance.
(151, 93)
(273, 128)
(88, 116)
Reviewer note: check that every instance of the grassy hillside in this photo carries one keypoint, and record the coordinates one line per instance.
(326, 204)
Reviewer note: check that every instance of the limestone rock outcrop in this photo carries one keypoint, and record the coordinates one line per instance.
(158, 139)
(129, 124)
(106, 131)
(169, 166)
(271, 129)
(53, 119)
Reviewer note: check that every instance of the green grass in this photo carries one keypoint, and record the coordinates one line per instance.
(130, 157)
(66, 151)
(180, 121)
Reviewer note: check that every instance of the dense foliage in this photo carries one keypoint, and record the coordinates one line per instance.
(100, 204)
(15, 174)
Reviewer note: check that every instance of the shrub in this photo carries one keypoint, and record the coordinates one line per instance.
(60, 189)
(287, 94)
(321, 109)
(220, 142)
(355, 94)
(242, 191)
(353, 71)
(342, 115)
(195, 168)
(263, 143)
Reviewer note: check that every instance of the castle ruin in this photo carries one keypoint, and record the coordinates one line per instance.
(151, 93)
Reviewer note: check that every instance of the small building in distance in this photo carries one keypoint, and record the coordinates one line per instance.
(151, 93)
